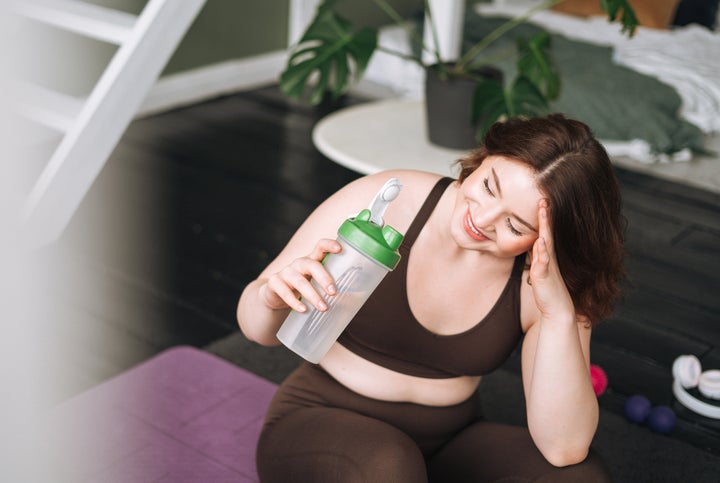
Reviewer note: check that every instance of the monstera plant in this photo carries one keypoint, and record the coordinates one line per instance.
(333, 53)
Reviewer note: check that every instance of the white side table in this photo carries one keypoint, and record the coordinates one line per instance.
(389, 134)
(380, 135)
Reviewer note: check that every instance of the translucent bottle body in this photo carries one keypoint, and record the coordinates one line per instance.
(311, 334)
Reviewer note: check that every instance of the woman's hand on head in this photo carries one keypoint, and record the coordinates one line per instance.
(551, 294)
(285, 288)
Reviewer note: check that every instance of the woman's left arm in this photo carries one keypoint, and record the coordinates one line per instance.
(562, 408)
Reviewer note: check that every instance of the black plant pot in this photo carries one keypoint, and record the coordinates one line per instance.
(448, 105)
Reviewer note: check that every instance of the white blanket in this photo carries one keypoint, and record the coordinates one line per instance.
(686, 58)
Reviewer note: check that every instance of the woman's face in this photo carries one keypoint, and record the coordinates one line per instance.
(496, 210)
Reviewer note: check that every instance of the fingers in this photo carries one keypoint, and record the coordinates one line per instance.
(540, 258)
(292, 288)
(276, 288)
(540, 252)
(542, 248)
(544, 220)
(545, 229)
(319, 274)
(324, 247)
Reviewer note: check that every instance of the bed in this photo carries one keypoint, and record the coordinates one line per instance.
(653, 100)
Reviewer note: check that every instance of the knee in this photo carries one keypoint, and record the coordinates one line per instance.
(395, 459)
(364, 451)
(388, 460)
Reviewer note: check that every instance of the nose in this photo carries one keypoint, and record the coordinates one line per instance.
(486, 216)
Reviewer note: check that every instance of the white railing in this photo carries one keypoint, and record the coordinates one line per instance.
(91, 127)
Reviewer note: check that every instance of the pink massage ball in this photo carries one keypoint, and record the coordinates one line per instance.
(599, 379)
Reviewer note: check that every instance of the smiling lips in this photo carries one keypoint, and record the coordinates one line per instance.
(472, 230)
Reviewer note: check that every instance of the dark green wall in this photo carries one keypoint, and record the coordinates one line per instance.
(367, 13)
(231, 29)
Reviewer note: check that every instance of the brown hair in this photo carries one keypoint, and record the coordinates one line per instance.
(575, 175)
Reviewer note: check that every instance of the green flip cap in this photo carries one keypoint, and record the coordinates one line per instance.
(377, 242)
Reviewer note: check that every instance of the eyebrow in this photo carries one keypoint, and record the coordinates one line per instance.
(524, 222)
(497, 181)
(497, 185)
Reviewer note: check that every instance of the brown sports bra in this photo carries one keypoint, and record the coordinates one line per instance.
(386, 332)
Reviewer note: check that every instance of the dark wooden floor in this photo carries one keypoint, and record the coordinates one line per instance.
(194, 202)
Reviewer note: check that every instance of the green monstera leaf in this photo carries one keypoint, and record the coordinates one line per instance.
(621, 8)
(488, 106)
(492, 102)
(330, 49)
(535, 62)
(524, 98)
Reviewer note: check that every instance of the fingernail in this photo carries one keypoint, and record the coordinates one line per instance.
(322, 306)
(301, 308)
(331, 289)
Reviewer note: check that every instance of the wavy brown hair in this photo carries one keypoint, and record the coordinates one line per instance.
(575, 175)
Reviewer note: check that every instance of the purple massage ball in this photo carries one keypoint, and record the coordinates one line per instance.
(637, 408)
(661, 419)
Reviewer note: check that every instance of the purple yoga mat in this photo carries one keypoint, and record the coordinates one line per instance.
(184, 415)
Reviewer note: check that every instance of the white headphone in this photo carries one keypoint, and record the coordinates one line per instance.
(687, 373)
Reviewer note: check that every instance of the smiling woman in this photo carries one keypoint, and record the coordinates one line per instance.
(561, 155)
(395, 398)
(509, 221)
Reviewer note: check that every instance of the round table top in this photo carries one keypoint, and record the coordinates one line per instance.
(390, 134)
(381, 135)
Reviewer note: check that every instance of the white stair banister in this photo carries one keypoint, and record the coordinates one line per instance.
(91, 134)
(47, 107)
(84, 18)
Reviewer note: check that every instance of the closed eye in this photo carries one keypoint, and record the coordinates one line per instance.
(486, 183)
(512, 228)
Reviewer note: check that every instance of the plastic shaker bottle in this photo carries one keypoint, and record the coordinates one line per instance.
(369, 252)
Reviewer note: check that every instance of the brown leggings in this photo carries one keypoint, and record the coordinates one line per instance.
(316, 430)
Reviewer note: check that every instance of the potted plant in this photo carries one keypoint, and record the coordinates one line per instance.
(332, 53)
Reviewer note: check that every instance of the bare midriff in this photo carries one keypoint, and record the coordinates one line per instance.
(371, 380)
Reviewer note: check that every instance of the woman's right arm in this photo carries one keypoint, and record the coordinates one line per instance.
(266, 302)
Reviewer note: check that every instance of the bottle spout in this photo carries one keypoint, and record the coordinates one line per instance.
(389, 191)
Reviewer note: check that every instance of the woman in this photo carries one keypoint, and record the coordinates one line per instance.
(527, 243)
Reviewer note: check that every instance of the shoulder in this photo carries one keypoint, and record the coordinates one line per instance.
(347, 202)
(414, 182)
(357, 195)
(416, 187)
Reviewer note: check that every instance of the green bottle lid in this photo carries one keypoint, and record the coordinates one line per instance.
(377, 242)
